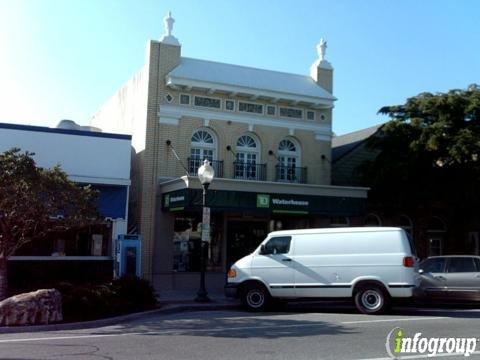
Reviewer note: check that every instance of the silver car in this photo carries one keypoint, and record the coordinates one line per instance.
(450, 278)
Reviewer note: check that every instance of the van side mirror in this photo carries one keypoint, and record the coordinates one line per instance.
(421, 271)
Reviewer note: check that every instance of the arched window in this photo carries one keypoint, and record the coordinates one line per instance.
(247, 158)
(372, 220)
(339, 221)
(436, 235)
(203, 146)
(288, 168)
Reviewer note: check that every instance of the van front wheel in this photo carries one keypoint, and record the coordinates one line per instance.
(371, 300)
(255, 297)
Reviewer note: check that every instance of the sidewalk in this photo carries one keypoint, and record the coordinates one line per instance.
(170, 302)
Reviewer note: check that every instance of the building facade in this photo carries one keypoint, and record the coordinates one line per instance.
(433, 227)
(89, 157)
(268, 137)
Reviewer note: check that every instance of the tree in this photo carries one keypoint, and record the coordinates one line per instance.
(429, 154)
(35, 201)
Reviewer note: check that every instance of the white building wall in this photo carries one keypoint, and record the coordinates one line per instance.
(91, 159)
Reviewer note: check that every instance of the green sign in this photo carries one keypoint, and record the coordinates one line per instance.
(263, 201)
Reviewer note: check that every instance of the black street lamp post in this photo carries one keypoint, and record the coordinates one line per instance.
(205, 175)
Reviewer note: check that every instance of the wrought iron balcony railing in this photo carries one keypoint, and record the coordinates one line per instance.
(291, 174)
(249, 171)
(194, 163)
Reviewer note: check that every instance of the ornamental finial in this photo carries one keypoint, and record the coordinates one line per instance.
(169, 20)
(321, 49)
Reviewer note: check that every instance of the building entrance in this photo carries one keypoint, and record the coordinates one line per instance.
(243, 237)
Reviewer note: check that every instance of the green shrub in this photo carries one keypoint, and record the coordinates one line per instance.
(89, 302)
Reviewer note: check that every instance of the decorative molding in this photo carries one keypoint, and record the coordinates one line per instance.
(250, 127)
(211, 91)
(168, 119)
(206, 122)
(291, 131)
(171, 114)
(326, 103)
(323, 137)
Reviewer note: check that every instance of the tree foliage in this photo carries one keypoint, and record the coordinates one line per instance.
(429, 151)
(34, 201)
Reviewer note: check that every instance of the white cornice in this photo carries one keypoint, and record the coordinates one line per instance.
(192, 182)
(171, 114)
(250, 92)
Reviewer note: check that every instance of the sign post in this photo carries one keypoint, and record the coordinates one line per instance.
(206, 224)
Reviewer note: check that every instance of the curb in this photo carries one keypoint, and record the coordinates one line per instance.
(166, 310)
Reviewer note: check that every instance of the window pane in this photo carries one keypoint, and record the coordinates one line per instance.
(457, 265)
(278, 245)
(207, 102)
(433, 265)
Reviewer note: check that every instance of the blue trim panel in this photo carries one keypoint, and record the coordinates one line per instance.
(64, 131)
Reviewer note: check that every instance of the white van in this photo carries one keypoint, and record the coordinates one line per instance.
(370, 264)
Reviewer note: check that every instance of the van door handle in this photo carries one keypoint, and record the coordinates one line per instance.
(287, 259)
(439, 278)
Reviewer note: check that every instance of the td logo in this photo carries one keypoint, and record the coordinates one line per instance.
(263, 201)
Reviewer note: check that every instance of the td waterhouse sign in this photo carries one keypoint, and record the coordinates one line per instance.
(222, 200)
(282, 204)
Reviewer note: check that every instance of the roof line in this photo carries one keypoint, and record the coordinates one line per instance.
(64, 131)
(358, 142)
(249, 67)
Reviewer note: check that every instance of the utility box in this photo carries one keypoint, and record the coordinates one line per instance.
(128, 255)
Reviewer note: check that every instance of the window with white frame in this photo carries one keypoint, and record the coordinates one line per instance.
(250, 107)
(291, 112)
(203, 146)
(184, 99)
(289, 161)
(271, 110)
(209, 102)
(247, 158)
(310, 115)
(230, 105)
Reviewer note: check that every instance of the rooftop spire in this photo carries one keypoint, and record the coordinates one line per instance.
(168, 38)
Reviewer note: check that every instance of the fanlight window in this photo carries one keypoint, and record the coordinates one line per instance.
(246, 142)
(287, 145)
(202, 137)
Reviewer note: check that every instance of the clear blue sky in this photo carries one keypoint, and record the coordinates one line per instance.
(62, 59)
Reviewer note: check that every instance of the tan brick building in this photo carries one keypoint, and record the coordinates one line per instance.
(268, 137)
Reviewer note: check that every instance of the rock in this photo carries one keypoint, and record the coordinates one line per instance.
(38, 307)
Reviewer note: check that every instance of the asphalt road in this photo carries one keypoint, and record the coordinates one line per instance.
(298, 333)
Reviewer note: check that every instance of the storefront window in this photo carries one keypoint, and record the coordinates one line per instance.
(187, 244)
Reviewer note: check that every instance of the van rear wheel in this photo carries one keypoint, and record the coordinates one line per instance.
(255, 297)
(371, 299)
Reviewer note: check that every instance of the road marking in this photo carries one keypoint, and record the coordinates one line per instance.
(392, 320)
(425, 356)
(61, 338)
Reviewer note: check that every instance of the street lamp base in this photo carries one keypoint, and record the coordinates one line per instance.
(202, 297)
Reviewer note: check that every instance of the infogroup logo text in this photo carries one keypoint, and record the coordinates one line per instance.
(397, 344)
